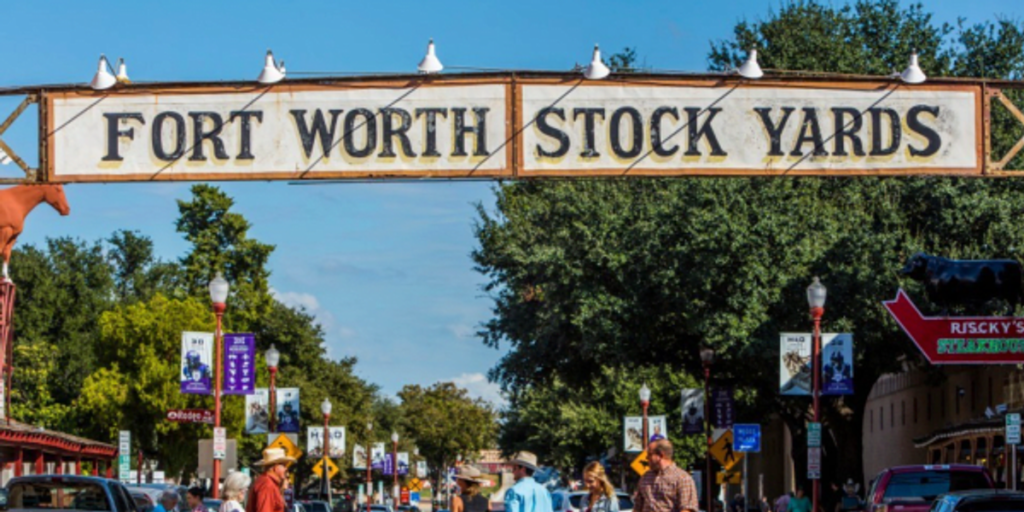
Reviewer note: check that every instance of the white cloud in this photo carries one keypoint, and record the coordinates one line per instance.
(461, 331)
(479, 387)
(324, 317)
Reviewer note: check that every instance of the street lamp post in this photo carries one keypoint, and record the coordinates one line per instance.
(369, 474)
(645, 402)
(273, 358)
(707, 358)
(325, 478)
(816, 293)
(219, 288)
(394, 468)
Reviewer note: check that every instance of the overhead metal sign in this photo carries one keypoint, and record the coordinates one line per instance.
(506, 125)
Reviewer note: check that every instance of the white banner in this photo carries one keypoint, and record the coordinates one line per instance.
(284, 133)
(657, 428)
(358, 457)
(754, 129)
(693, 411)
(196, 363)
(795, 363)
(257, 412)
(315, 445)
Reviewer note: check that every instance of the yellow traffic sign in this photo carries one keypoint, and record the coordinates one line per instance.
(722, 451)
(414, 485)
(332, 469)
(733, 477)
(289, 447)
(640, 465)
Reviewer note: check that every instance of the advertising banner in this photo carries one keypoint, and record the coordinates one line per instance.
(191, 416)
(315, 445)
(723, 407)
(358, 457)
(693, 411)
(633, 434)
(837, 364)
(287, 402)
(421, 469)
(377, 456)
(257, 412)
(196, 363)
(403, 463)
(240, 364)
(795, 363)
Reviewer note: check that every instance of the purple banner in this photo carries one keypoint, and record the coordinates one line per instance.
(403, 463)
(239, 364)
(723, 407)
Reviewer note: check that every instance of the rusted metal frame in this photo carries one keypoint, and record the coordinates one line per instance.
(1001, 164)
(30, 173)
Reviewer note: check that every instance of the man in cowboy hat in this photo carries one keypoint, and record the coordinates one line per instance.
(266, 494)
(526, 495)
(469, 480)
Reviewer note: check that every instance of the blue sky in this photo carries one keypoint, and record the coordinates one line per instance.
(385, 267)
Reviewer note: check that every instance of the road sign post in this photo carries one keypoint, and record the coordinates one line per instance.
(746, 439)
(220, 442)
(813, 451)
(1012, 440)
(124, 458)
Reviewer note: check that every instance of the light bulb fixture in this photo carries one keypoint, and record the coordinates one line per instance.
(816, 294)
(707, 355)
(122, 72)
(271, 74)
(219, 289)
(325, 407)
(750, 68)
(596, 70)
(913, 73)
(273, 356)
(430, 64)
(645, 393)
(394, 437)
(102, 80)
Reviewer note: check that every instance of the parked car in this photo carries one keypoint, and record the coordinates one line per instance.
(316, 506)
(914, 488)
(380, 508)
(570, 501)
(146, 498)
(980, 501)
(212, 505)
(66, 492)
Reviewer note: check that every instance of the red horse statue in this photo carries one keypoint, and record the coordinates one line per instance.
(15, 205)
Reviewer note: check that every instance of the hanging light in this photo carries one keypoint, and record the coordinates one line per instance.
(271, 74)
(122, 72)
(596, 70)
(273, 356)
(394, 437)
(102, 80)
(750, 68)
(325, 407)
(816, 293)
(913, 73)
(219, 288)
(430, 64)
(645, 394)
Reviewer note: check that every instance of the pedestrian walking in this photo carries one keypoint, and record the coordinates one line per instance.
(764, 505)
(782, 504)
(469, 479)
(665, 487)
(526, 495)
(267, 494)
(194, 497)
(236, 486)
(168, 502)
(602, 493)
(799, 502)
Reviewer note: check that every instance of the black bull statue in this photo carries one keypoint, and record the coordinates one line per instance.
(966, 282)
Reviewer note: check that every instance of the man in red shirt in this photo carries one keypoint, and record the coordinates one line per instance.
(266, 494)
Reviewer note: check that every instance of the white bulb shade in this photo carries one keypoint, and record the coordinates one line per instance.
(219, 288)
(122, 71)
(103, 79)
(707, 355)
(416, 452)
(273, 357)
(913, 73)
(645, 393)
(271, 74)
(816, 293)
(394, 437)
(430, 63)
(596, 70)
(750, 67)
(325, 406)
(369, 426)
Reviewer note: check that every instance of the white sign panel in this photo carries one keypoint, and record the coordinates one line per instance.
(358, 457)
(284, 133)
(257, 412)
(315, 445)
(1013, 428)
(667, 128)
(657, 428)
(219, 442)
(795, 363)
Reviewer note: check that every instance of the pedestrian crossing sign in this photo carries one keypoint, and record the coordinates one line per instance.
(640, 464)
(722, 451)
(727, 477)
(287, 445)
(332, 469)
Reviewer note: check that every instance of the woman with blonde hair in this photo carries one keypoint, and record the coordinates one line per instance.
(236, 487)
(469, 480)
(602, 496)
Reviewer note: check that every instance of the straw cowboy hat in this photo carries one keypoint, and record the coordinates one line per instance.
(471, 474)
(525, 459)
(272, 456)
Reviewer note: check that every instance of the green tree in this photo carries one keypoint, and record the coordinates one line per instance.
(137, 273)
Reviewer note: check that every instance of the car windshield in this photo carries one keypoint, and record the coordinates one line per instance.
(57, 495)
(316, 506)
(576, 500)
(1000, 505)
(927, 485)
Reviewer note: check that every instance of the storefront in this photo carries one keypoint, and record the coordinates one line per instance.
(29, 450)
(980, 442)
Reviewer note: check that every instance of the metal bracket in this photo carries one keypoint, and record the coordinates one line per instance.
(30, 173)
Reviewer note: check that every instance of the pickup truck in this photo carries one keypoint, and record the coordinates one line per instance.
(65, 492)
(914, 488)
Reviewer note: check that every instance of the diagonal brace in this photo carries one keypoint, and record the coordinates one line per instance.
(29, 172)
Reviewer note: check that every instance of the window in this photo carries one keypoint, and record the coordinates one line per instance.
(58, 495)
(927, 485)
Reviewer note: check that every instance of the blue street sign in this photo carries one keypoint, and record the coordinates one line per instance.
(746, 438)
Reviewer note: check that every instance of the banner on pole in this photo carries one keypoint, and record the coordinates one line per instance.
(240, 364)
(795, 363)
(315, 445)
(257, 412)
(377, 456)
(358, 457)
(196, 362)
(837, 364)
(723, 407)
(287, 409)
(693, 411)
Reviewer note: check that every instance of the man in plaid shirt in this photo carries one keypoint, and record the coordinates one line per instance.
(665, 488)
